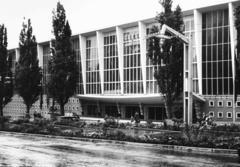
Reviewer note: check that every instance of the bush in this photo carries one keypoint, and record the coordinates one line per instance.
(41, 122)
(110, 122)
(21, 121)
(122, 126)
(32, 129)
(120, 135)
(53, 130)
(17, 128)
(4, 119)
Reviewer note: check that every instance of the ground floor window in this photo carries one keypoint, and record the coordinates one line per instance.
(92, 110)
(111, 111)
(130, 111)
(156, 113)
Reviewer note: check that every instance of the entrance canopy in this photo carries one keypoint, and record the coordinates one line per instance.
(198, 97)
(124, 99)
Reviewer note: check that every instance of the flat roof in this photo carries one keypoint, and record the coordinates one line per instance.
(220, 4)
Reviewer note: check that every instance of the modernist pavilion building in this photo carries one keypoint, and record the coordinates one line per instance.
(116, 76)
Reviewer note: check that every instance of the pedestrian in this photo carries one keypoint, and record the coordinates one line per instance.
(136, 118)
(35, 114)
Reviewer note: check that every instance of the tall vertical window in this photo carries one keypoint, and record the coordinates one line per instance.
(156, 113)
(216, 54)
(46, 75)
(13, 56)
(111, 68)
(133, 83)
(76, 47)
(93, 84)
(151, 83)
(189, 32)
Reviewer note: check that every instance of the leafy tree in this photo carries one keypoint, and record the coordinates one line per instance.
(6, 83)
(237, 25)
(62, 65)
(168, 58)
(28, 74)
(237, 60)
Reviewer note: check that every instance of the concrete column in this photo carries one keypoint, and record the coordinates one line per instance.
(100, 42)
(198, 45)
(142, 38)
(82, 41)
(233, 38)
(120, 55)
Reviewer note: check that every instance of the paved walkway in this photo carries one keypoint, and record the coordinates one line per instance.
(18, 149)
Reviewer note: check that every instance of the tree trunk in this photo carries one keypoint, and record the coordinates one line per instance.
(62, 109)
(1, 110)
(169, 112)
(28, 113)
(1, 116)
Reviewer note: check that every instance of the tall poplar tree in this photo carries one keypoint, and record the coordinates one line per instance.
(62, 66)
(28, 74)
(6, 83)
(168, 58)
(237, 57)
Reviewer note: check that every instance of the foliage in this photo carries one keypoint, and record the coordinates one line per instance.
(41, 122)
(4, 119)
(20, 121)
(110, 122)
(52, 130)
(28, 74)
(168, 59)
(32, 129)
(237, 25)
(62, 65)
(6, 86)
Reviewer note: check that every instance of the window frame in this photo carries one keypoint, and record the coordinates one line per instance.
(228, 116)
(218, 114)
(220, 101)
(229, 102)
(209, 104)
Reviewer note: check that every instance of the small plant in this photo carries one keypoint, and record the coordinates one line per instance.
(110, 122)
(120, 135)
(122, 126)
(20, 121)
(41, 122)
(165, 125)
(32, 129)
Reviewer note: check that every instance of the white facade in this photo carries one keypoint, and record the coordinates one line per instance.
(116, 76)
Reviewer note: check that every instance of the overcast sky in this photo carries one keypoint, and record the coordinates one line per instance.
(83, 15)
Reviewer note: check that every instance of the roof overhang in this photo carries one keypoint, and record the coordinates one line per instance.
(198, 97)
(124, 99)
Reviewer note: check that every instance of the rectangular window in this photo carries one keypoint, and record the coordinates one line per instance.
(92, 66)
(220, 114)
(211, 103)
(132, 61)
(229, 103)
(238, 114)
(238, 104)
(229, 114)
(211, 113)
(216, 55)
(220, 103)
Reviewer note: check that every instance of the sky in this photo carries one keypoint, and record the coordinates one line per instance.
(83, 15)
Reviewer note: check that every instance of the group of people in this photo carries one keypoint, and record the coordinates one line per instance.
(37, 115)
(207, 119)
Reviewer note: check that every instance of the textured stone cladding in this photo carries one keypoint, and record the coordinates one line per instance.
(16, 108)
(222, 109)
